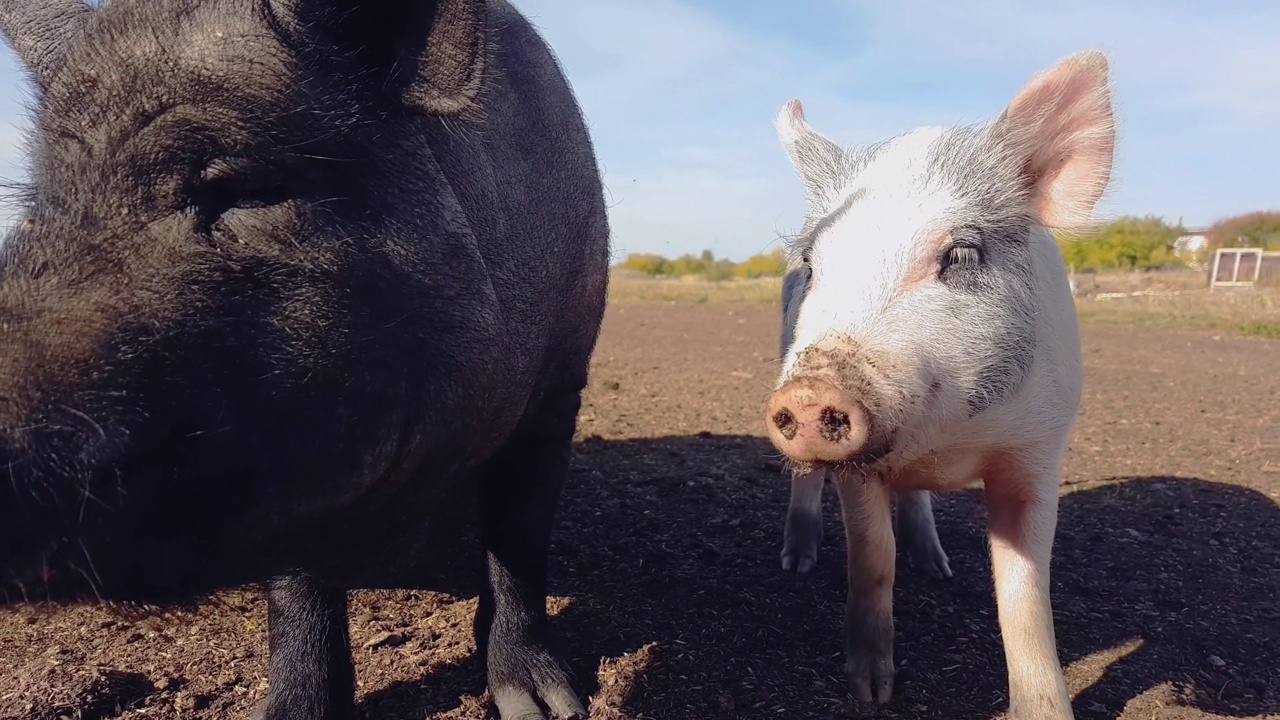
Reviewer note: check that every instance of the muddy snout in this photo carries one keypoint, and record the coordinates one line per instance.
(812, 420)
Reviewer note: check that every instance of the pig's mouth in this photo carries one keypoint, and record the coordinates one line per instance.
(867, 461)
(130, 552)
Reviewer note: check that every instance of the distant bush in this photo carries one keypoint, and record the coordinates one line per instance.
(721, 269)
(1256, 229)
(1130, 243)
(771, 264)
(646, 263)
(687, 265)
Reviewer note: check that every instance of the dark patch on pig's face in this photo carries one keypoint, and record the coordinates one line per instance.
(821, 224)
(1001, 377)
(987, 265)
(995, 300)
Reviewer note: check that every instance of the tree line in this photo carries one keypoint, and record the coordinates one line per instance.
(770, 264)
(1128, 243)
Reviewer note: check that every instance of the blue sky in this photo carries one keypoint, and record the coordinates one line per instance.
(681, 95)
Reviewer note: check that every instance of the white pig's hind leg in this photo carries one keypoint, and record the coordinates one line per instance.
(918, 535)
(1022, 508)
(803, 531)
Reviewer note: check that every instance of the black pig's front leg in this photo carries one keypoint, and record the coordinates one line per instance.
(519, 491)
(310, 675)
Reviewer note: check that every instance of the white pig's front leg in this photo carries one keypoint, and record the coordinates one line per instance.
(868, 527)
(1022, 508)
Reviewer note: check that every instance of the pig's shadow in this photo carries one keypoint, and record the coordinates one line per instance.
(671, 545)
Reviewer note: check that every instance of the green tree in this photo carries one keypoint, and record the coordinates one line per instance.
(1129, 243)
(771, 264)
(1256, 229)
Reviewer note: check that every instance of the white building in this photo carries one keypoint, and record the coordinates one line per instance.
(1189, 247)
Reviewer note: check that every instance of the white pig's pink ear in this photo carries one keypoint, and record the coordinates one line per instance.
(816, 159)
(1062, 126)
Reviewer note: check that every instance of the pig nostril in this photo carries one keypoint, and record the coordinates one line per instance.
(834, 425)
(786, 423)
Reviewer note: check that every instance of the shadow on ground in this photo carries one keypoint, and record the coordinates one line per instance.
(668, 550)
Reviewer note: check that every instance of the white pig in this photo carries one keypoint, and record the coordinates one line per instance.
(936, 344)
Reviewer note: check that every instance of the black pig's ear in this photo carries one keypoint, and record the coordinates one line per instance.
(432, 52)
(41, 32)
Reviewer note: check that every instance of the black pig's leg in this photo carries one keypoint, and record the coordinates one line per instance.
(310, 676)
(519, 491)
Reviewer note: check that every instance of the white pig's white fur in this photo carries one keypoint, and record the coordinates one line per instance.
(977, 375)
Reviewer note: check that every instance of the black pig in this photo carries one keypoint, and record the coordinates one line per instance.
(294, 276)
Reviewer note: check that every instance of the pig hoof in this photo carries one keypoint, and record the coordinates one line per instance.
(802, 561)
(933, 561)
(924, 551)
(530, 676)
(870, 680)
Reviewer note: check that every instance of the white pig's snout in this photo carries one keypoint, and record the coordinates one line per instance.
(812, 420)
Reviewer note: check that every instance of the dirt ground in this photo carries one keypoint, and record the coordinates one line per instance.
(667, 587)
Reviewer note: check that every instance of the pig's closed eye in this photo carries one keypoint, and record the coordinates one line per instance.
(239, 185)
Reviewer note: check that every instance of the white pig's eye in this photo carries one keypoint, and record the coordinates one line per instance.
(962, 256)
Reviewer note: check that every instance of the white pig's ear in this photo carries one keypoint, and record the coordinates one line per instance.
(816, 159)
(1062, 127)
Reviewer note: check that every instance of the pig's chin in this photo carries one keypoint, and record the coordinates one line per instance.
(150, 548)
(872, 460)
(129, 574)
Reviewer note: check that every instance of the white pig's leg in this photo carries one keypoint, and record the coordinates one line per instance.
(1022, 508)
(803, 531)
(868, 527)
(919, 536)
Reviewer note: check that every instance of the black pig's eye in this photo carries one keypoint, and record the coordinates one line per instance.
(232, 184)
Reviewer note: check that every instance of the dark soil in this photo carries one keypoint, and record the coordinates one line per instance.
(668, 589)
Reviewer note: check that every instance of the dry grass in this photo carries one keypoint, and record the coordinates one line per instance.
(1171, 299)
(1177, 299)
(631, 287)
(1246, 313)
